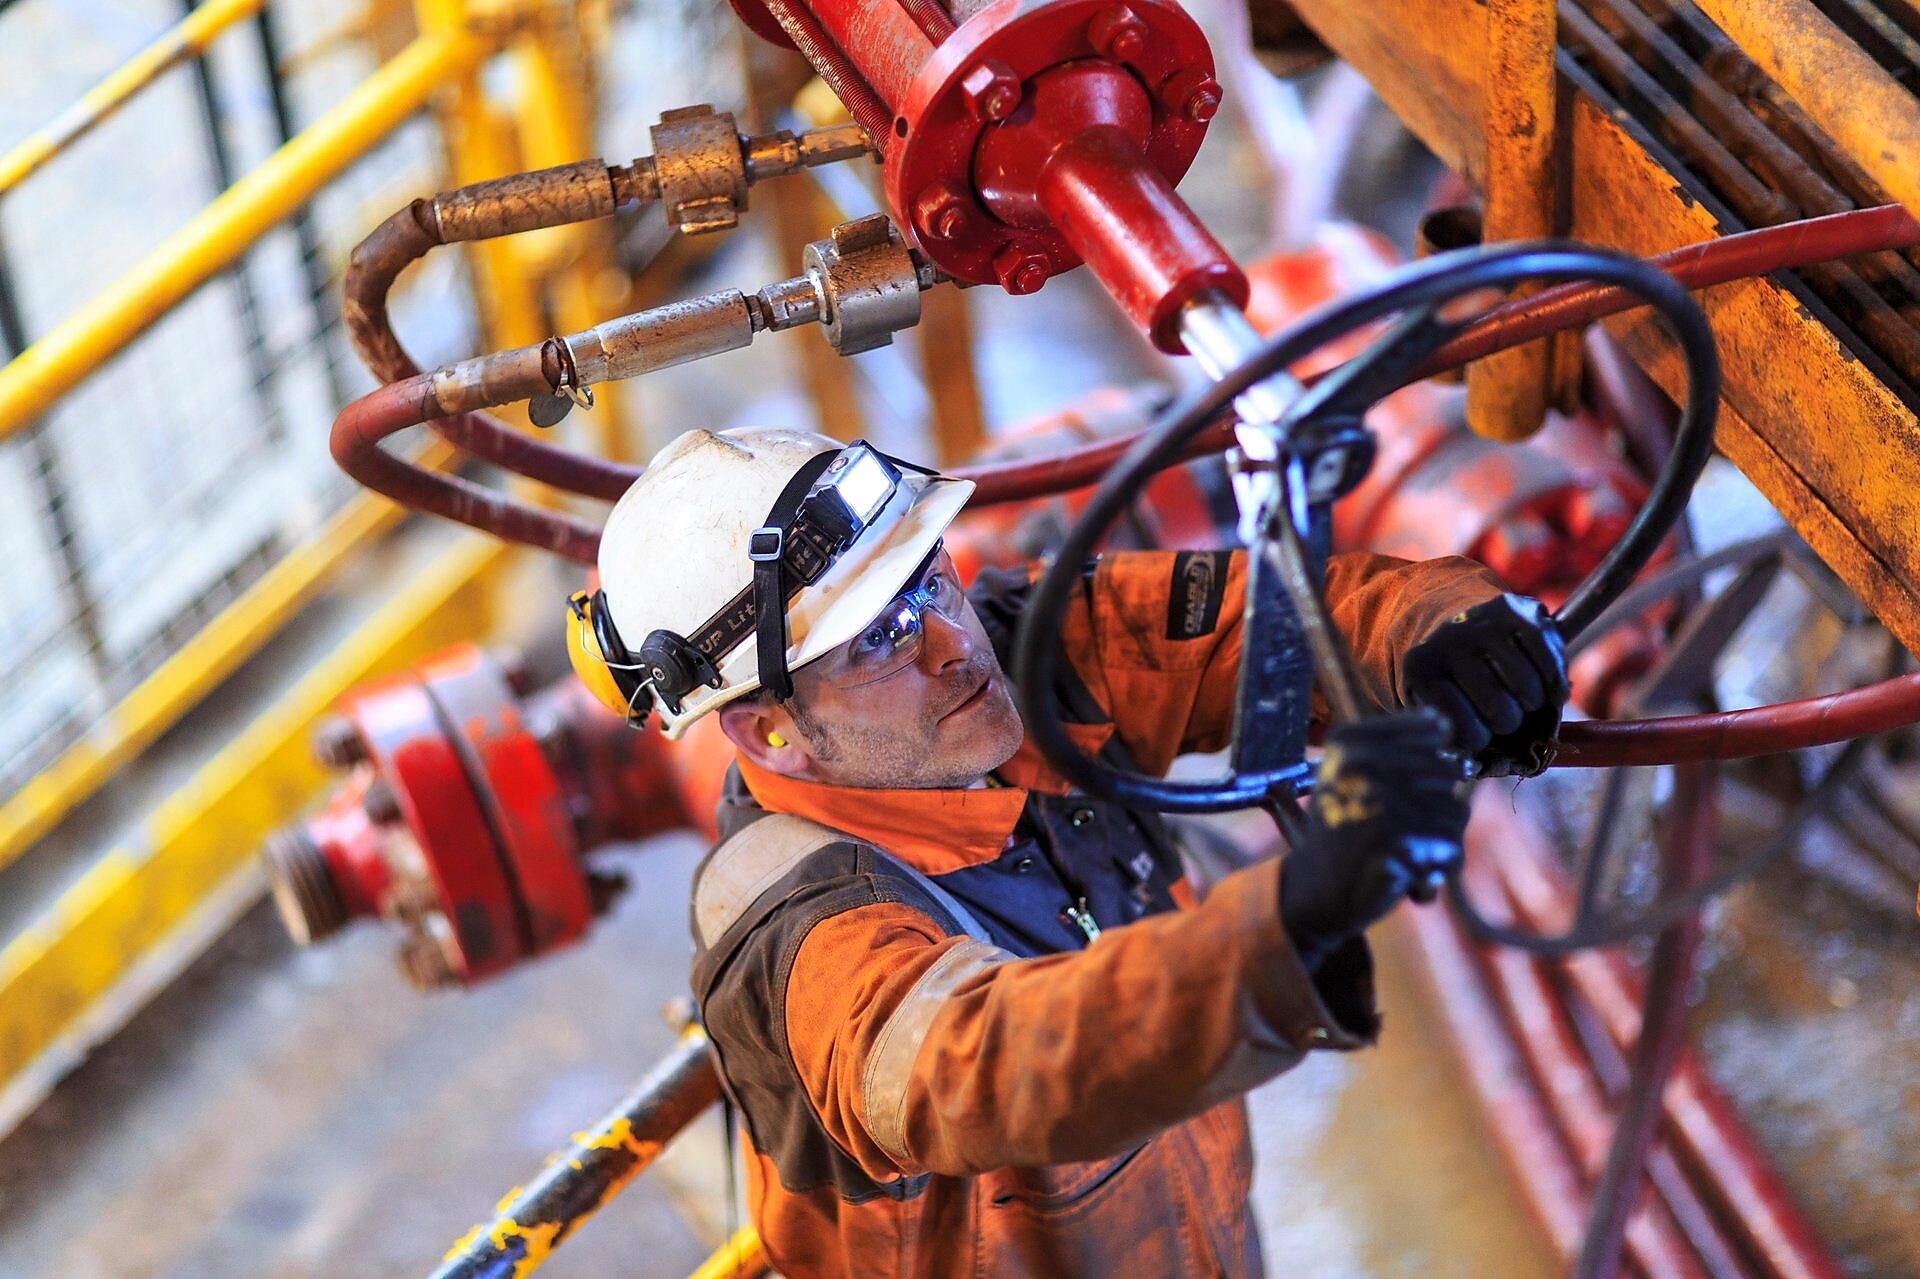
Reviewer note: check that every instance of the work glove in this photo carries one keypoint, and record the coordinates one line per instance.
(1498, 672)
(1385, 822)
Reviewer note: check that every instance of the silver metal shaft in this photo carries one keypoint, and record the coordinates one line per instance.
(1272, 497)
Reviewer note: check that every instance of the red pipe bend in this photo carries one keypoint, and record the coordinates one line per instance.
(355, 445)
(1763, 730)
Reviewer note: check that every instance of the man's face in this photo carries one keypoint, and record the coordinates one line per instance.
(943, 719)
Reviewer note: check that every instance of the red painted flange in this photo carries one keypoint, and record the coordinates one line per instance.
(522, 800)
(977, 79)
(410, 748)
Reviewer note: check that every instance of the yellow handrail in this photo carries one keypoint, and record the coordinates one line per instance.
(177, 685)
(104, 928)
(222, 231)
(190, 36)
(740, 1257)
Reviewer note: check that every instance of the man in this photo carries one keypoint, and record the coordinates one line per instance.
(967, 1021)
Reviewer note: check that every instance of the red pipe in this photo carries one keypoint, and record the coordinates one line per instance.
(1706, 1130)
(1686, 855)
(1567, 1081)
(1532, 1149)
(1698, 266)
(1763, 730)
(1709, 1236)
(1075, 158)
(355, 444)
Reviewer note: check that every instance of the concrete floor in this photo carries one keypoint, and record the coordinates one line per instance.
(282, 1113)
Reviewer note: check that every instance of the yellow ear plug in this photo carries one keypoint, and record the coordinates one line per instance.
(774, 739)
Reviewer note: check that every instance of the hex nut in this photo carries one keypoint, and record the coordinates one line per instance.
(1192, 94)
(940, 212)
(1117, 33)
(337, 742)
(380, 803)
(992, 90)
(1020, 271)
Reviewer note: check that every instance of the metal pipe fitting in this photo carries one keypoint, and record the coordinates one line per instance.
(862, 285)
(661, 337)
(868, 281)
(700, 173)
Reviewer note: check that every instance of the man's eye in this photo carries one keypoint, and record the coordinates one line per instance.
(874, 641)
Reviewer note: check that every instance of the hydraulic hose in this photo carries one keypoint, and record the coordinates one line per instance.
(1697, 266)
(1428, 284)
(486, 210)
(1763, 730)
(355, 443)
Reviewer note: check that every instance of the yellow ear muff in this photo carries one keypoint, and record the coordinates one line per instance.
(589, 663)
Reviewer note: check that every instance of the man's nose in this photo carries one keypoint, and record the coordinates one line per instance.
(943, 643)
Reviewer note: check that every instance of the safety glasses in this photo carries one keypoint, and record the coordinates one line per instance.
(892, 640)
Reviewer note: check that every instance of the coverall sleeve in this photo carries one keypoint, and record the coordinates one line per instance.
(1155, 636)
(923, 1053)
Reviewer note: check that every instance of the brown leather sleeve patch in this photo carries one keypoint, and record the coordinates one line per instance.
(1194, 596)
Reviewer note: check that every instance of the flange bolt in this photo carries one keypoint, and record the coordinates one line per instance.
(940, 212)
(1192, 94)
(992, 89)
(1020, 271)
(337, 743)
(304, 894)
(382, 806)
(1117, 33)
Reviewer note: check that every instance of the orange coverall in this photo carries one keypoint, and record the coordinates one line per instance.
(920, 1102)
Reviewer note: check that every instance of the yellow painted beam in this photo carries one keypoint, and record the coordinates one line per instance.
(187, 38)
(226, 228)
(208, 832)
(176, 687)
(740, 1257)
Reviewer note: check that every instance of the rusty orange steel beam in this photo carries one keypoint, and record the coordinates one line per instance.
(1507, 394)
(1808, 421)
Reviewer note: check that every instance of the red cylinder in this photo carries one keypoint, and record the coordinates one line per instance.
(1074, 159)
(881, 38)
(1083, 114)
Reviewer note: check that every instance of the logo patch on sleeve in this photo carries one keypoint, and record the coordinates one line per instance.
(1199, 585)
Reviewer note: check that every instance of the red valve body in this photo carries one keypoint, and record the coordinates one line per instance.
(1032, 135)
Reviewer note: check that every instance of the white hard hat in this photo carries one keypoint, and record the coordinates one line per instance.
(675, 552)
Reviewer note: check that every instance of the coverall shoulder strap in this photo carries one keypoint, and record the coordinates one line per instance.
(740, 870)
(948, 902)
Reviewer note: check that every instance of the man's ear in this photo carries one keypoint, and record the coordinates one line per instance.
(754, 726)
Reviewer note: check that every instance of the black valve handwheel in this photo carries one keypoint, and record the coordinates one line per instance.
(1424, 287)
